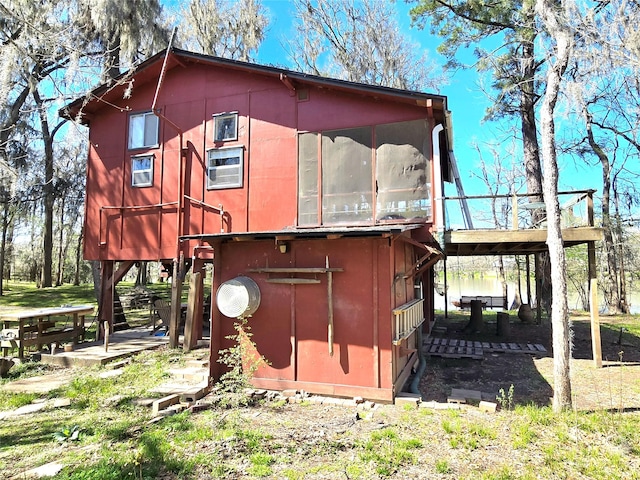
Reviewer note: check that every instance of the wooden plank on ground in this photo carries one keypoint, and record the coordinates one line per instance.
(466, 394)
(190, 329)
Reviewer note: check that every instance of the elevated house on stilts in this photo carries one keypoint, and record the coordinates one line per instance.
(318, 202)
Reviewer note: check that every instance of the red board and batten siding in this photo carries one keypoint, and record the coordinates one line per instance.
(290, 327)
(269, 118)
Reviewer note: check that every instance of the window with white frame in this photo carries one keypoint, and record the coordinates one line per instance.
(225, 127)
(142, 171)
(143, 130)
(225, 167)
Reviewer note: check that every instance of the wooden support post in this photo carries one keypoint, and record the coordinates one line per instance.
(446, 289)
(475, 323)
(105, 308)
(538, 274)
(514, 212)
(176, 301)
(215, 368)
(596, 344)
(591, 259)
(330, 308)
(108, 326)
(198, 266)
(503, 327)
(190, 328)
(528, 269)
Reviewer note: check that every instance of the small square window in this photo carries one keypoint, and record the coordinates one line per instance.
(143, 130)
(142, 171)
(225, 126)
(303, 95)
(225, 168)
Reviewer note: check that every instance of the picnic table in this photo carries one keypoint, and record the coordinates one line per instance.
(37, 327)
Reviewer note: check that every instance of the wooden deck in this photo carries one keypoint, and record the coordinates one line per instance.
(513, 242)
(121, 345)
(520, 234)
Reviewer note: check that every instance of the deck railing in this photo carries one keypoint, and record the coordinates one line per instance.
(407, 318)
(522, 210)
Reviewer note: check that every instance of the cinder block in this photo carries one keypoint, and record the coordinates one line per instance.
(412, 400)
(164, 402)
(194, 394)
(489, 407)
(458, 400)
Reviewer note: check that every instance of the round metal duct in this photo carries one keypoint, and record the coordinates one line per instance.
(238, 297)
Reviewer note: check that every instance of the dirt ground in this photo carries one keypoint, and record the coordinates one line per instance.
(615, 386)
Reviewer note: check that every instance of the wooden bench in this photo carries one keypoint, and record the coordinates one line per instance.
(488, 301)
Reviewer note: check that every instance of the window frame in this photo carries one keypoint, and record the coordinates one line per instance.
(145, 115)
(218, 118)
(225, 152)
(151, 157)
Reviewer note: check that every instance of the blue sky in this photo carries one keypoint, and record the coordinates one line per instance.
(465, 98)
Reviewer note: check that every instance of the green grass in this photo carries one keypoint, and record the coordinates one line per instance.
(27, 294)
(116, 440)
(24, 294)
(281, 440)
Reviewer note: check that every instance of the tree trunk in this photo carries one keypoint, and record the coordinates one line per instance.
(76, 278)
(61, 244)
(141, 276)
(560, 311)
(530, 145)
(48, 192)
(611, 292)
(528, 97)
(3, 244)
(623, 304)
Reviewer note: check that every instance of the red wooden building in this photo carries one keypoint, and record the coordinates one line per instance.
(321, 191)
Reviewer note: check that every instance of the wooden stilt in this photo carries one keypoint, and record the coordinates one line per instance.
(528, 273)
(503, 327)
(193, 316)
(538, 274)
(330, 307)
(475, 323)
(596, 344)
(176, 302)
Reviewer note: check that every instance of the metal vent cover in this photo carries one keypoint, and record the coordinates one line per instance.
(238, 297)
